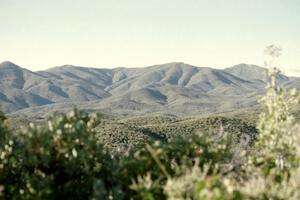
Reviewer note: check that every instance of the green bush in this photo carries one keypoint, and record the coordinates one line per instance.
(3, 129)
(160, 161)
(62, 159)
(59, 160)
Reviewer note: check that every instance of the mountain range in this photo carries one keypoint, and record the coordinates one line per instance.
(173, 88)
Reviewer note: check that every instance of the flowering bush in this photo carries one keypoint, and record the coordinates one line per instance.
(157, 167)
(57, 160)
(273, 166)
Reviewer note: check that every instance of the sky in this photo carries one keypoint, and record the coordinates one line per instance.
(39, 34)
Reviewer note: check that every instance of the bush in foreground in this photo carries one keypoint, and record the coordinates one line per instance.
(63, 160)
(59, 160)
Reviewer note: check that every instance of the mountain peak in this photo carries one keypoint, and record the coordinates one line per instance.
(248, 71)
(8, 64)
(246, 66)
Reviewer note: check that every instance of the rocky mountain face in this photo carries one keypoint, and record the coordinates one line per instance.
(173, 88)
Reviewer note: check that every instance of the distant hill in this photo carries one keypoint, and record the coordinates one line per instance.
(173, 88)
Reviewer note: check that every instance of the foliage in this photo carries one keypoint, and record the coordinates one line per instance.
(3, 128)
(277, 138)
(62, 159)
(157, 163)
(273, 166)
(57, 160)
(124, 134)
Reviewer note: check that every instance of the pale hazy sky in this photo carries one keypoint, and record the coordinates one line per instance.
(38, 34)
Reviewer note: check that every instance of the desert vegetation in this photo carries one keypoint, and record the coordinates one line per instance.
(87, 156)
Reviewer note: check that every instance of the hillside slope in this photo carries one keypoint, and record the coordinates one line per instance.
(173, 88)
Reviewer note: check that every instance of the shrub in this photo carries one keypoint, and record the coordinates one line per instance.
(155, 167)
(59, 160)
(3, 129)
(273, 169)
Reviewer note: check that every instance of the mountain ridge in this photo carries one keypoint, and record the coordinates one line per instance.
(172, 88)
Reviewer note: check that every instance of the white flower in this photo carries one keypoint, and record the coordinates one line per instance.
(72, 114)
(2, 156)
(50, 125)
(58, 132)
(31, 125)
(10, 142)
(74, 153)
(67, 126)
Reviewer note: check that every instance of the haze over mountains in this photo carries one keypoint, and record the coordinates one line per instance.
(173, 88)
